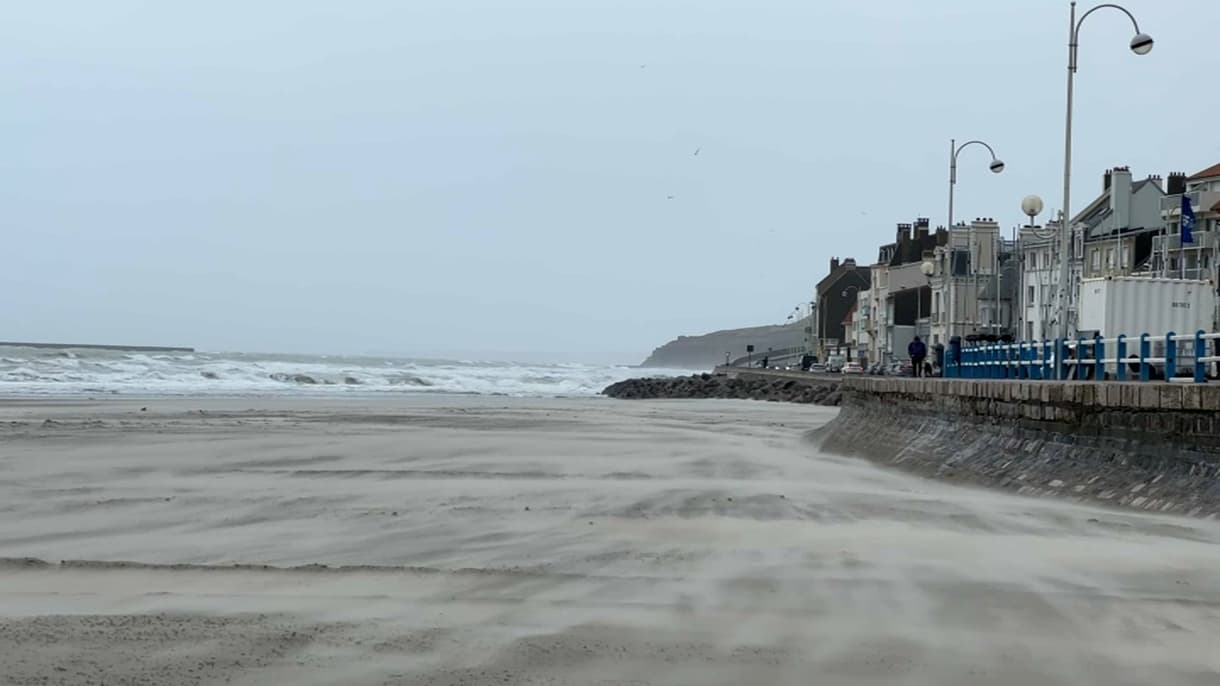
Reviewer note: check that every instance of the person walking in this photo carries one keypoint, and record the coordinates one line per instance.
(918, 352)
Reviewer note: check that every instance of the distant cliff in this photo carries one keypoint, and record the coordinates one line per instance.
(707, 351)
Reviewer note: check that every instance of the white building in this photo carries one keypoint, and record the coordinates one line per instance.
(964, 282)
(1198, 259)
(1113, 235)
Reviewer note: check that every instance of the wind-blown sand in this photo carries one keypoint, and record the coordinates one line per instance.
(495, 541)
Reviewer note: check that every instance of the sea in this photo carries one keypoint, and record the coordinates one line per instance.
(91, 373)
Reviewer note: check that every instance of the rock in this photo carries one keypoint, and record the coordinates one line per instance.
(294, 378)
(821, 391)
(351, 381)
(209, 375)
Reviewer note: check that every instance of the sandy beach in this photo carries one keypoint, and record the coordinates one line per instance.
(450, 540)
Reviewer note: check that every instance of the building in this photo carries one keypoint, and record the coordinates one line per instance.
(835, 295)
(1037, 306)
(899, 302)
(1120, 224)
(1198, 259)
(970, 295)
(1114, 235)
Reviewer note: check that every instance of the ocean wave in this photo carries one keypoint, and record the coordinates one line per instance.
(34, 372)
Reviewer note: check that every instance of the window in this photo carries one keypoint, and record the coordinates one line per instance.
(1033, 260)
(1110, 258)
(1095, 259)
(1029, 331)
(1029, 300)
(936, 303)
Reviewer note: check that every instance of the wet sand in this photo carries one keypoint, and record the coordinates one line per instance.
(492, 541)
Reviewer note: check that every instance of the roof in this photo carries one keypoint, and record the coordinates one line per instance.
(1208, 173)
(851, 316)
(863, 274)
(1093, 215)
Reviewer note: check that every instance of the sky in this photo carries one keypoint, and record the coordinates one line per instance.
(509, 178)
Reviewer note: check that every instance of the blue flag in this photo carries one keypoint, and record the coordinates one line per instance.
(1188, 220)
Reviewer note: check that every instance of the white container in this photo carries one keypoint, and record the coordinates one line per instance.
(1134, 305)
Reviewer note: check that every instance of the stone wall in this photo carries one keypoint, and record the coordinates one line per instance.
(1149, 446)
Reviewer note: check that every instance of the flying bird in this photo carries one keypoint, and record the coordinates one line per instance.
(697, 151)
(669, 197)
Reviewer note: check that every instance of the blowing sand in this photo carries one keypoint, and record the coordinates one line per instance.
(492, 541)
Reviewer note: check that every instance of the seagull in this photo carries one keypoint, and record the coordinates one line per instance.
(697, 151)
(669, 197)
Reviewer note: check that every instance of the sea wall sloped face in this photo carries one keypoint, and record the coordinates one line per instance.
(1152, 447)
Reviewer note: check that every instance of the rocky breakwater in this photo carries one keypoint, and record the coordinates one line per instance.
(812, 390)
(1147, 446)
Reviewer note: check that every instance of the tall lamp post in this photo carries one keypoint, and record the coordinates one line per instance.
(996, 166)
(926, 268)
(845, 290)
(1141, 44)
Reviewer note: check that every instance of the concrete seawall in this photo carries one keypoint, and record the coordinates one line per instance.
(1146, 446)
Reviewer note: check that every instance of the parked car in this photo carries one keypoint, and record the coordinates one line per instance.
(900, 368)
(852, 368)
(817, 368)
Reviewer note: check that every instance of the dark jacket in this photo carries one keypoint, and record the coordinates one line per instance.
(917, 350)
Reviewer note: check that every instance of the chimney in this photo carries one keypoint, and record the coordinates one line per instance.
(1120, 196)
(849, 262)
(1176, 185)
(1156, 179)
(834, 264)
(1105, 181)
(921, 228)
(904, 233)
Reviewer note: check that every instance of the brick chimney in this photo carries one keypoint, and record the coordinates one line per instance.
(1156, 179)
(1105, 180)
(921, 228)
(834, 264)
(904, 233)
(1176, 184)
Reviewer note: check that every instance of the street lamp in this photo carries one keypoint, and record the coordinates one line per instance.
(996, 166)
(848, 346)
(1141, 44)
(926, 268)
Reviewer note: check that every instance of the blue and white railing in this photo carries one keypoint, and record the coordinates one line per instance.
(1143, 358)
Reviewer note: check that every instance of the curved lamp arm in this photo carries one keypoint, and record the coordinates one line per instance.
(996, 166)
(1140, 44)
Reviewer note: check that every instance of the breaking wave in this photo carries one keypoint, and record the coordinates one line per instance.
(26, 371)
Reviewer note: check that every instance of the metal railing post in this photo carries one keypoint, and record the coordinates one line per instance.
(1200, 353)
(1046, 359)
(1099, 352)
(1120, 369)
(1080, 358)
(1145, 353)
(1171, 356)
(1061, 367)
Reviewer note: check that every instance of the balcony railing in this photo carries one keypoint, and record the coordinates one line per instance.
(1200, 201)
(1205, 240)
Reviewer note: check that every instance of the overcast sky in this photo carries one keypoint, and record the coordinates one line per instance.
(461, 177)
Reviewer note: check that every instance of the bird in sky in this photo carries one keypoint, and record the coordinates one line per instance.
(697, 151)
(669, 197)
